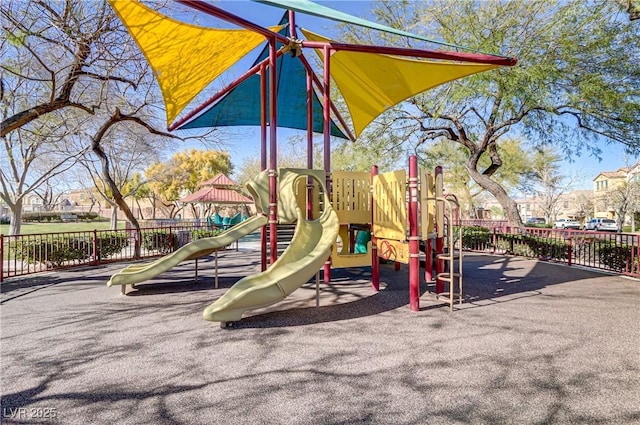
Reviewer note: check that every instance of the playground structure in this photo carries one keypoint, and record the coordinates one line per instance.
(186, 58)
(383, 208)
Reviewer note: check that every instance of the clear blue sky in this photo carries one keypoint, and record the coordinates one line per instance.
(586, 166)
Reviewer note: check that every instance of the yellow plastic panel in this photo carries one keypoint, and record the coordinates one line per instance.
(343, 258)
(393, 250)
(351, 196)
(185, 58)
(427, 207)
(390, 205)
(371, 83)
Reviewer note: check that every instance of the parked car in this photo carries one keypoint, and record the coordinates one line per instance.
(601, 225)
(566, 223)
(536, 220)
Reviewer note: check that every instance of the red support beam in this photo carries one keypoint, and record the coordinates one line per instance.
(273, 153)
(414, 243)
(418, 53)
(263, 156)
(209, 9)
(327, 140)
(375, 261)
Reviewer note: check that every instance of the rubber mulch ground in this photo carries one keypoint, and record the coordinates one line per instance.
(533, 343)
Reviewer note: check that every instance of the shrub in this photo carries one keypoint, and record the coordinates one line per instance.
(111, 243)
(476, 237)
(201, 234)
(87, 216)
(54, 252)
(531, 246)
(160, 241)
(618, 257)
(40, 217)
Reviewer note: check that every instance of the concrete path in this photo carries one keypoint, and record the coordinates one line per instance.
(534, 343)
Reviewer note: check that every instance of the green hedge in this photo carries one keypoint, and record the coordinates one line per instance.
(531, 246)
(161, 241)
(48, 217)
(55, 252)
(108, 244)
(201, 234)
(618, 257)
(476, 237)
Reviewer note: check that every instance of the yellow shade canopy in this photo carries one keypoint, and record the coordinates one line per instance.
(371, 83)
(185, 58)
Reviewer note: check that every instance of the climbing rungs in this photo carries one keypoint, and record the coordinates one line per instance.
(446, 277)
(455, 256)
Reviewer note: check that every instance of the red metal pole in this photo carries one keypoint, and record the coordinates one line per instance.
(440, 227)
(230, 17)
(420, 53)
(569, 253)
(327, 140)
(309, 144)
(273, 150)
(263, 156)
(334, 109)
(375, 261)
(1, 257)
(414, 244)
(95, 247)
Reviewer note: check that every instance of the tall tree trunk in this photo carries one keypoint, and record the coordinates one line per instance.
(106, 174)
(510, 207)
(114, 217)
(16, 217)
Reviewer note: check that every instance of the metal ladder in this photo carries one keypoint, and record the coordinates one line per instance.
(453, 255)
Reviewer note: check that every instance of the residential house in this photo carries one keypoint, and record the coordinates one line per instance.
(603, 184)
(611, 185)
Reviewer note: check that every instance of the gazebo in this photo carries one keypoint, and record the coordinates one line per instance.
(217, 191)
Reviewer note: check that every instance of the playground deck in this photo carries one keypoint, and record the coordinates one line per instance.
(534, 343)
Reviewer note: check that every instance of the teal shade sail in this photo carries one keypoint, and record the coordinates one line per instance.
(241, 106)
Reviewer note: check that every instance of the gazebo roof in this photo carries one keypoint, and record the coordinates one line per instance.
(217, 195)
(220, 180)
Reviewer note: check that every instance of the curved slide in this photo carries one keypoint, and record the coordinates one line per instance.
(310, 247)
(141, 272)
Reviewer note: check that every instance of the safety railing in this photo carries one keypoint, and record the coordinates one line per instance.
(27, 254)
(614, 252)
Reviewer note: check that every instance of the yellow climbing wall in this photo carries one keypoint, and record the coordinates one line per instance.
(390, 205)
(351, 197)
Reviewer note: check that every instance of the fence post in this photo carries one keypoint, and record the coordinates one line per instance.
(1, 257)
(95, 247)
(495, 241)
(569, 247)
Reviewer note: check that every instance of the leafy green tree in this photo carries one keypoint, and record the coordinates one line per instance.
(173, 179)
(515, 173)
(575, 86)
(549, 183)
